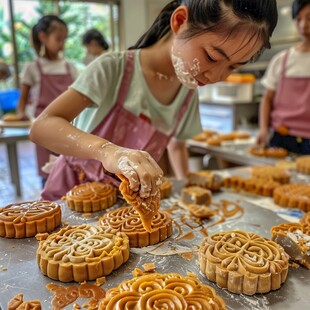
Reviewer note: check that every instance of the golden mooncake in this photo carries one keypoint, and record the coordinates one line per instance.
(91, 197)
(243, 263)
(82, 253)
(293, 196)
(128, 221)
(303, 164)
(146, 207)
(271, 173)
(26, 219)
(295, 239)
(162, 291)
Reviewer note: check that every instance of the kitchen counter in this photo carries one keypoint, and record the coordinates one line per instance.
(176, 254)
(235, 152)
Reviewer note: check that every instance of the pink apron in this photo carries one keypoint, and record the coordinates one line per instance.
(52, 85)
(120, 127)
(292, 104)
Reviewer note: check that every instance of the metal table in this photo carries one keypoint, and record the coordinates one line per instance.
(232, 152)
(23, 274)
(11, 136)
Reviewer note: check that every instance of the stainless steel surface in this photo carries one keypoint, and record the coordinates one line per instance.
(23, 275)
(236, 153)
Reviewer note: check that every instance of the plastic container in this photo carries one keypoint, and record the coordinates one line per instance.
(9, 99)
(238, 88)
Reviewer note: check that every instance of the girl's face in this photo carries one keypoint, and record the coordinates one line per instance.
(55, 41)
(303, 22)
(210, 57)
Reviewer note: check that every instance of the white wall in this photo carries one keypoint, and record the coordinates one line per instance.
(138, 15)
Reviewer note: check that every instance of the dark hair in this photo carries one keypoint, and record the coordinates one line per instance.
(258, 16)
(297, 6)
(94, 34)
(46, 24)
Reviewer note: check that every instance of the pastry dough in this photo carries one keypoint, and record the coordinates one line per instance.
(18, 303)
(196, 195)
(165, 188)
(91, 197)
(295, 239)
(147, 208)
(82, 253)
(293, 196)
(127, 220)
(162, 291)
(26, 219)
(242, 262)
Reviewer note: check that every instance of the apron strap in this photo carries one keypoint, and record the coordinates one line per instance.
(183, 110)
(126, 80)
(39, 66)
(284, 62)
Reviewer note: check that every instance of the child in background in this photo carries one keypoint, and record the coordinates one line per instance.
(285, 107)
(132, 105)
(47, 77)
(95, 44)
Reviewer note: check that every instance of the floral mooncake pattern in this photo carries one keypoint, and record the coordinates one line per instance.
(128, 221)
(82, 253)
(91, 197)
(162, 291)
(243, 263)
(26, 219)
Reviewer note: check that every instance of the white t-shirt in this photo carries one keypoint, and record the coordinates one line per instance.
(100, 82)
(298, 65)
(31, 77)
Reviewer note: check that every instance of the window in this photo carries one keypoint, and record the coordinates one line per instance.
(79, 16)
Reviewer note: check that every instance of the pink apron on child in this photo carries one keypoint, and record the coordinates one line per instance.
(291, 106)
(120, 127)
(52, 85)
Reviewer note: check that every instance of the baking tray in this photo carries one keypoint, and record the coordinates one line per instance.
(23, 274)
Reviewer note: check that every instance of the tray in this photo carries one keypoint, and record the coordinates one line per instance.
(23, 274)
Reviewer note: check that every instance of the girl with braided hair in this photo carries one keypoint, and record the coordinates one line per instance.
(128, 107)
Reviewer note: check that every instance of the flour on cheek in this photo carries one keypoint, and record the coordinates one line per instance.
(186, 76)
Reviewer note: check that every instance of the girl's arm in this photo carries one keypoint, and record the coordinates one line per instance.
(264, 116)
(178, 157)
(54, 131)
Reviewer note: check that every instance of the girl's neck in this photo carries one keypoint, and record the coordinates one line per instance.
(304, 46)
(51, 57)
(156, 59)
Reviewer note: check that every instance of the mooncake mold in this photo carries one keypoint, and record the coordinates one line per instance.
(26, 219)
(243, 263)
(91, 197)
(82, 253)
(128, 221)
(162, 291)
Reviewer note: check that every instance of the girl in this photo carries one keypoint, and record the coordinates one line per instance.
(285, 105)
(137, 103)
(47, 77)
(95, 44)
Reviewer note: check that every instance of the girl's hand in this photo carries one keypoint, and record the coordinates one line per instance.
(141, 170)
(262, 138)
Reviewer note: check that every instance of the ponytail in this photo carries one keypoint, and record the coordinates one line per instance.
(159, 28)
